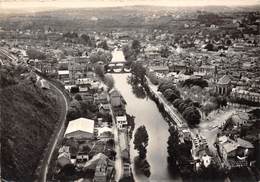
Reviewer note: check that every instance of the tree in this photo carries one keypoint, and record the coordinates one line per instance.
(141, 141)
(182, 107)
(99, 70)
(171, 94)
(100, 55)
(78, 97)
(165, 52)
(128, 53)
(136, 46)
(192, 115)
(74, 90)
(86, 39)
(138, 71)
(209, 47)
(109, 81)
(177, 102)
(68, 170)
(165, 85)
(103, 45)
(35, 54)
(208, 107)
(86, 149)
(172, 148)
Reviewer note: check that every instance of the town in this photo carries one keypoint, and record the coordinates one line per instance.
(175, 95)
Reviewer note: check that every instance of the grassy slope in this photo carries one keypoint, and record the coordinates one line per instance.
(28, 117)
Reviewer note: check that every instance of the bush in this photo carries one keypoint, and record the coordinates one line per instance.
(171, 95)
(192, 115)
(198, 81)
(166, 85)
(78, 97)
(109, 81)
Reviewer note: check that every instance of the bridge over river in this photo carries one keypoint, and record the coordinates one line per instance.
(118, 63)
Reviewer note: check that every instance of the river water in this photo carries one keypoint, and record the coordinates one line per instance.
(146, 113)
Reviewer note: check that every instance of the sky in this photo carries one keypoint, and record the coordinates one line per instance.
(60, 4)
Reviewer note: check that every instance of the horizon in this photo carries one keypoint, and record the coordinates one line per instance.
(43, 5)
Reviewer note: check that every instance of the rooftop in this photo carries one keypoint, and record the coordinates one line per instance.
(80, 124)
(224, 80)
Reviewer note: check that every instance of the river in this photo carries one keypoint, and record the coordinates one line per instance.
(146, 113)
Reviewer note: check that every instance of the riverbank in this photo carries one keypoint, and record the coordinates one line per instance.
(147, 113)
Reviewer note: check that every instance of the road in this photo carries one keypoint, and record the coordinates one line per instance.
(170, 109)
(52, 144)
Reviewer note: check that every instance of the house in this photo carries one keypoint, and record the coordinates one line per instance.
(234, 153)
(121, 121)
(116, 99)
(127, 169)
(80, 129)
(82, 157)
(43, 84)
(237, 93)
(159, 69)
(178, 67)
(223, 86)
(199, 146)
(85, 84)
(88, 97)
(101, 171)
(105, 135)
(94, 163)
(64, 149)
(78, 68)
(64, 159)
(240, 118)
(63, 75)
(124, 146)
(101, 98)
(104, 108)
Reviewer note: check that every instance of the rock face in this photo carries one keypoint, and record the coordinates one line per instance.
(28, 117)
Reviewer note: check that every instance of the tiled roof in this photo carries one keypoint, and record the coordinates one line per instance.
(224, 80)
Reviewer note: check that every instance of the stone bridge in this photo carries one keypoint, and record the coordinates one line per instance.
(118, 67)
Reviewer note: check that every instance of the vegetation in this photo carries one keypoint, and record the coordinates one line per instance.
(141, 141)
(179, 153)
(87, 40)
(169, 91)
(109, 81)
(173, 141)
(153, 78)
(192, 115)
(103, 45)
(131, 51)
(100, 55)
(25, 105)
(35, 54)
(171, 94)
(99, 70)
(165, 52)
(198, 81)
(138, 72)
(81, 108)
(166, 85)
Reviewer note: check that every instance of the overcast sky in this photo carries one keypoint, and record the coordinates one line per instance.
(28, 4)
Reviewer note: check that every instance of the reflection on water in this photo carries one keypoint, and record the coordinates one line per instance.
(146, 113)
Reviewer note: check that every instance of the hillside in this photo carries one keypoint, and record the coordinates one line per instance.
(28, 117)
(108, 18)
